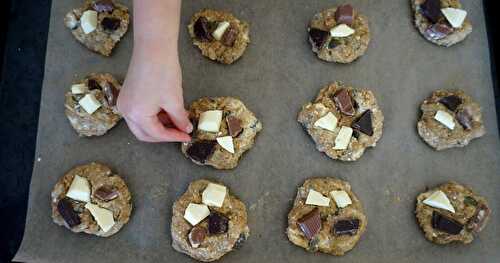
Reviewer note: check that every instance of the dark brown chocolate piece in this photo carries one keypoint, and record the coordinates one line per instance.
(344, 14)
(106, 193)
(346, 227)
(451, 102)
(229, 36)
(202, 29)
(234, 126)
(438, 31)
(217, 223)
(478, 221)
(103, 6)
(431, 9)
(110, 23)
(197, 235)
(465, 119)
(200, 151)
(445, 224)
(318, 37)
(310, 224)
(65, 209)
(364, 123)
(93, 84)
(344, 102)
(111, 93)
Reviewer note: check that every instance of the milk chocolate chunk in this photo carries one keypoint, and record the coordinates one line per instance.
(445, 224)
(111, 93)
(364, 123)
(451, 102)
(93, 84)
(477, 222)
(346, 227)
(438, 31)
(318, 37)
(110, 23)
(310, 224)
(344, 14)
(465, 119)
(217, 223)
(234, 126)
(344, 102)
(103, 6)
(431, 9)
(197, 235)
(202, 29)
(65, 209)
(200, 151)
(229, 36)
(106, 193)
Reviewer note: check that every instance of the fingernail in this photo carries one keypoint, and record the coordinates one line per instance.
(189, 128)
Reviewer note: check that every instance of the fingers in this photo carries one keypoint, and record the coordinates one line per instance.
(179, 117)
(156, 132)
(138, 132)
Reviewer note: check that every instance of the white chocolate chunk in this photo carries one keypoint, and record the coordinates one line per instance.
(221, 29)
(455, 16)
(88, 21)
(89, 103)
(79, 88)
(214, 195)
(341, 198)
(210, 121)
(195, 213)
(327, 122)
(445, 118)
(316, 198)
(227, 143)
(341, 30)
(79, 189)
(439, 199)
(104, 217)
(343, 138)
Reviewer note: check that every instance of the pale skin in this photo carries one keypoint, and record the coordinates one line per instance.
(151, 99)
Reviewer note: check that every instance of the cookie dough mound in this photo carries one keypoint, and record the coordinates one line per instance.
(356, 123)
(237, 122)
(337, 228)
(112, 23)
(223, 230)
(106, 190)
(442, 226)
(339, 48)
(219, 35)
(434, 26)
(97, 90)
(464, 117)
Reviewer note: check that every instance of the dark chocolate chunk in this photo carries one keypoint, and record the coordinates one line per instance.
(229, 36)
(201, 150)
(202, 29)
(431, 9)
(197, 235)
(364, 123)
(478, 221)
(451, 102)
(438, 31)
(344, 14)
(217, 223)
(318, 37)
(93, 84)
(111, 93)
(110, 23)
(65, 209)
(106, 193)
(234, 126)
(445, 224)
(346, 227)
(344, 102)
(310, 224)
(465, 119)
(103, 6)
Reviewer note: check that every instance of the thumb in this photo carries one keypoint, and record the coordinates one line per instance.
(179, 118)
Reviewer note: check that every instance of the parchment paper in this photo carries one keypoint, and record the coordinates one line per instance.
(276, 75)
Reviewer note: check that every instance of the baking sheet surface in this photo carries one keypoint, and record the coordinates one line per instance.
(277, 74)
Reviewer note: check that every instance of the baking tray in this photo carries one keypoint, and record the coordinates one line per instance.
(277, 74)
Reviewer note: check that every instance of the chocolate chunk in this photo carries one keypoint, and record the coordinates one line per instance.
(346, 227)
(229, 36)
(202, 29)
(197, 235)
(310, 224)
(234, 126)
(478, 221)
(438, 31)
(445, 224)
(111, 93)
(431, 9)
(364, 123)
(103, 6)
(465, 119)
(318, 37)
(110, 23)
(65, 209)
(106, 193)
(217, 223)
(201, 150)
(451, 102)
(93, 84)
(470, 201)
(344, 14)
(344, 102)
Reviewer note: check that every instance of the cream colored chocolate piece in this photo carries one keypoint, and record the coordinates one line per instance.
(89, 103)
(455, 16)
(88, 21)
(341, 198)
(327, 122)
(195, 213)
(79, 189)
(103, 216)
(445, 118)
(316, 198)
(210, 121)
(439, 199)
(341, 30)
(221, 29)
(79, 89)
(226, 142)
(343, 138)
(214, 195)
